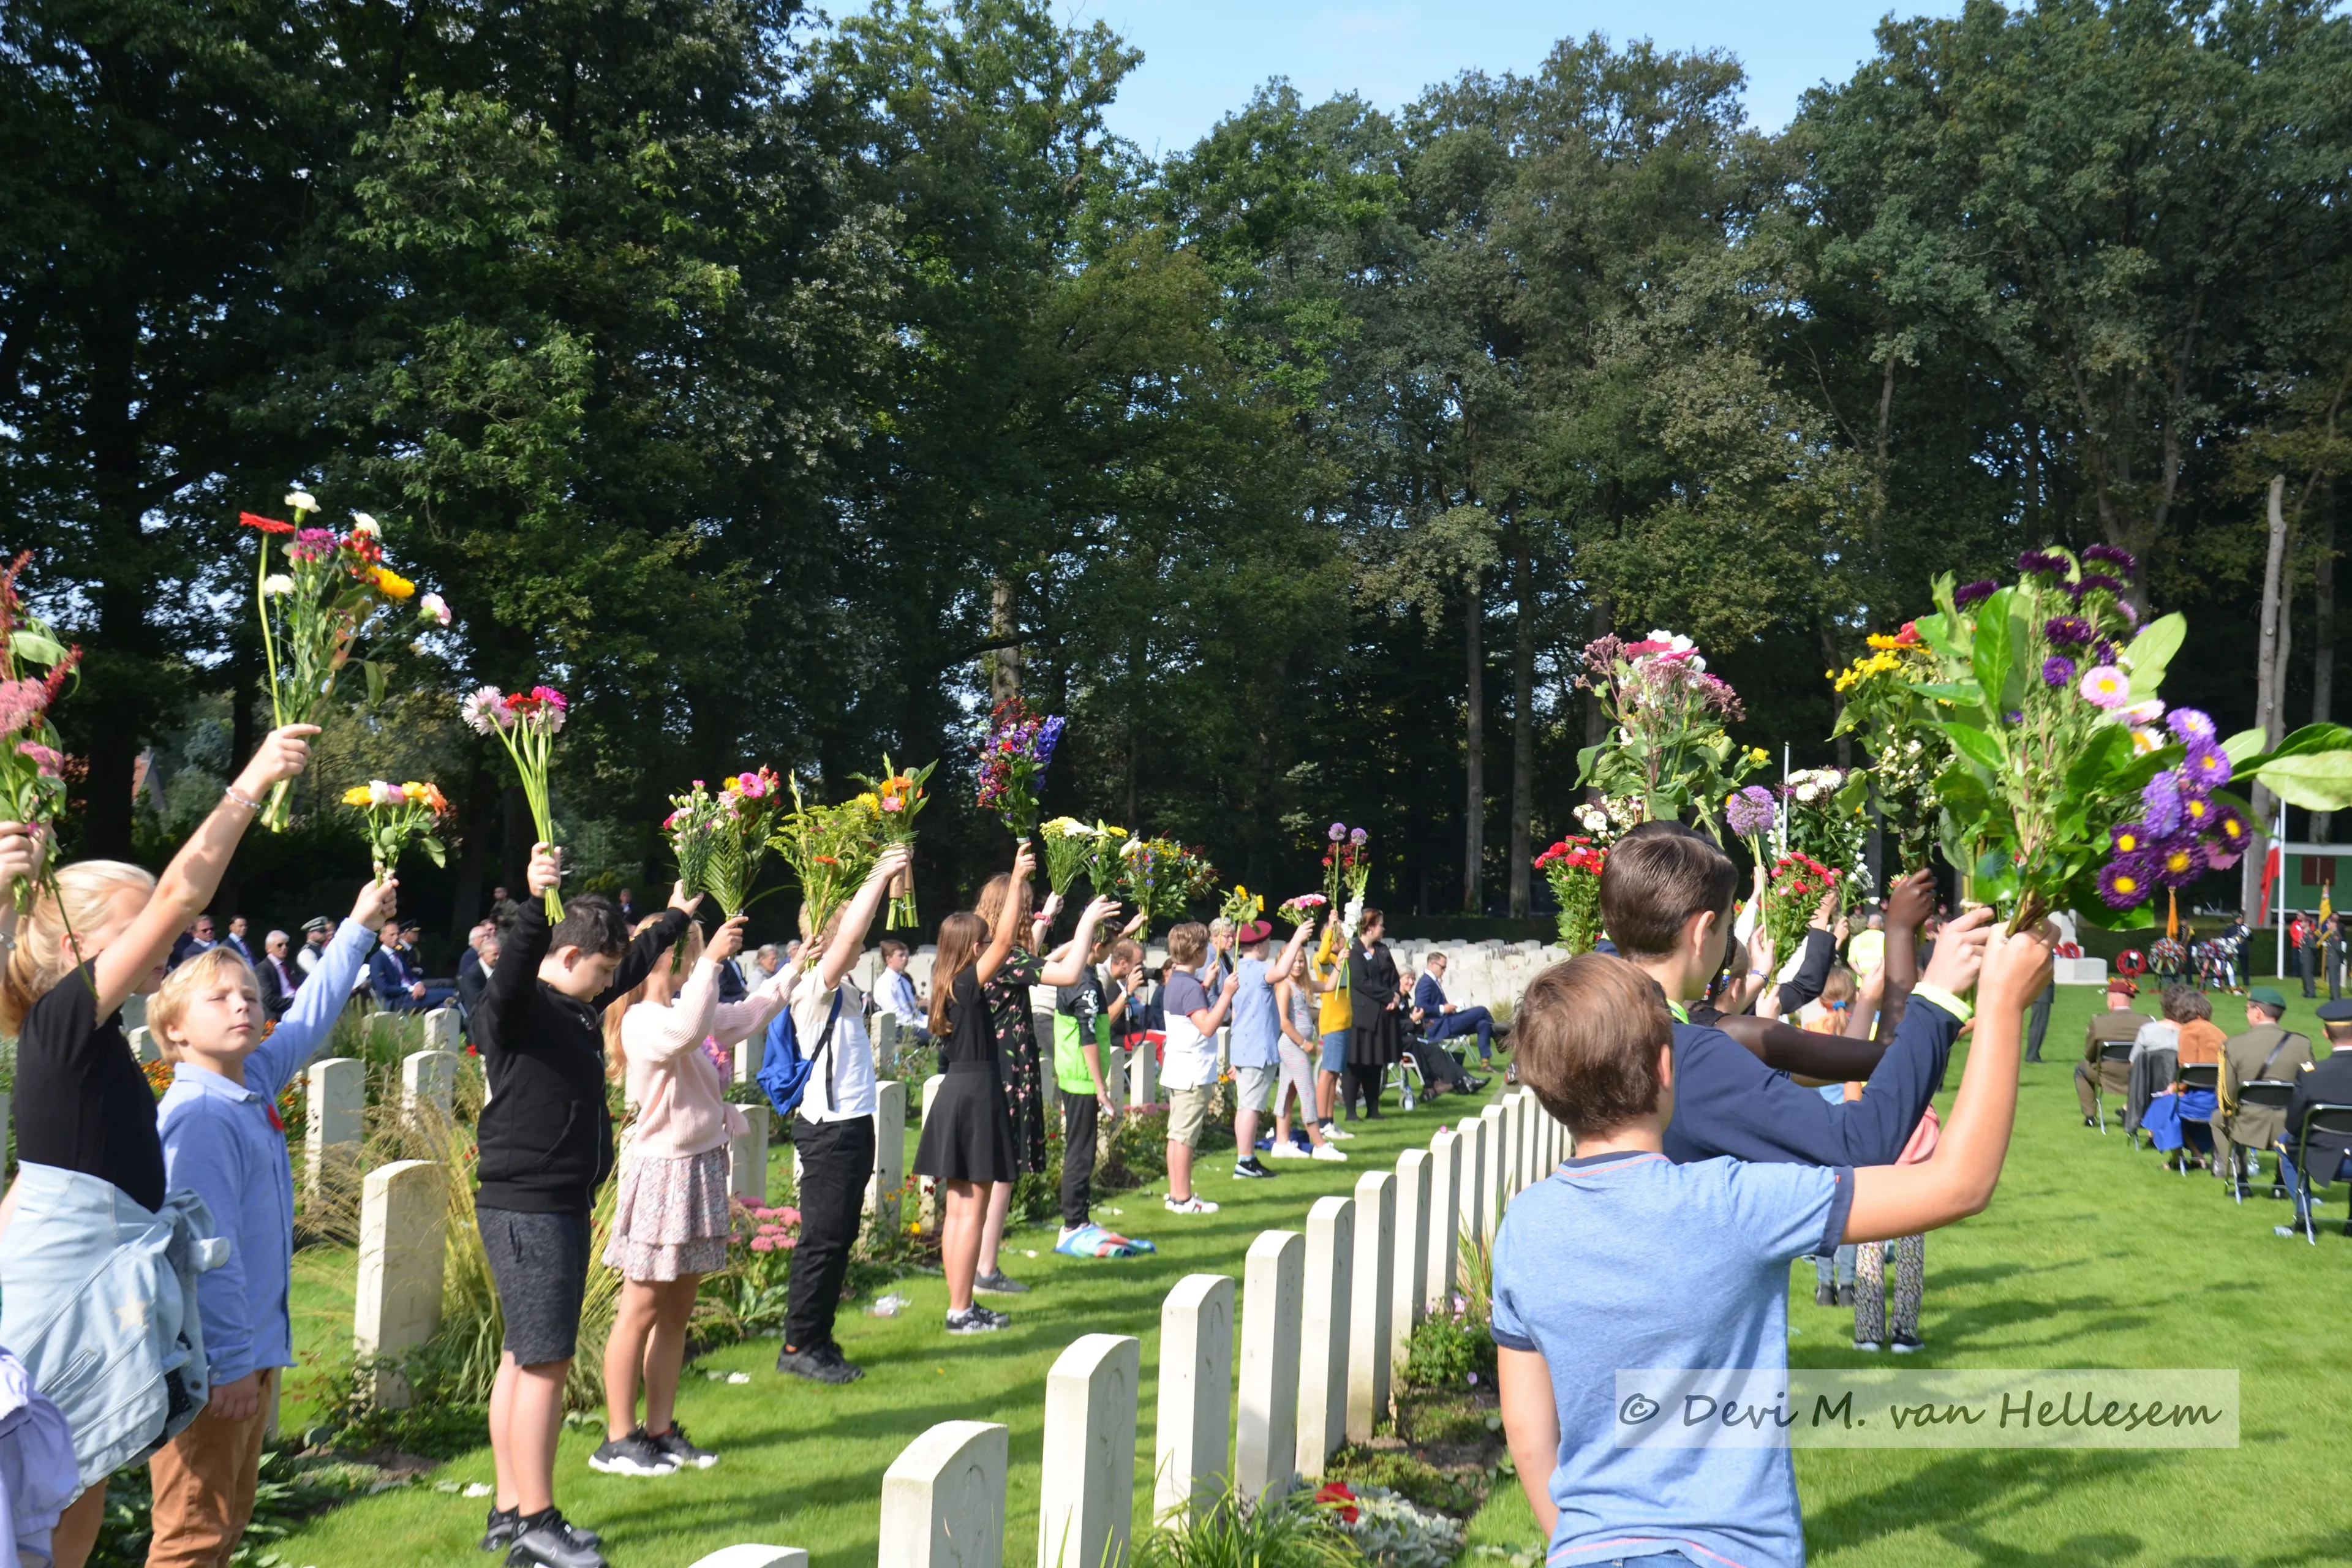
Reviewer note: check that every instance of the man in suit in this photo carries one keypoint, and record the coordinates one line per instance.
(196, 939)
(2264, 1051)
(1441, 1019)
(2119, 1022)
(472, 979)
(393, 975)
(2329, 1083)
(237, 937)
(280, 979)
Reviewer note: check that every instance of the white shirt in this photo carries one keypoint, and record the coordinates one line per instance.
(841, 1084)
(1189, 1060)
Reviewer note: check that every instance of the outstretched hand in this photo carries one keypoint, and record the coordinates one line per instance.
(377, 900)
(546, 871)
(283, 752)
(728, 940)
(679, 899)
(1959, 952)
(1910, 900)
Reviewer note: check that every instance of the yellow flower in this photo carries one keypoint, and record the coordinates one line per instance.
(392, 585)
(357, 795)
(870, 801)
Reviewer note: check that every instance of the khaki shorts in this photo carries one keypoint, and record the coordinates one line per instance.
(1188, 1113)
(1251, 1085)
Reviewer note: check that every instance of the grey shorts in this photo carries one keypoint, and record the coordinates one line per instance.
(1251, 1085)
(539, 1263)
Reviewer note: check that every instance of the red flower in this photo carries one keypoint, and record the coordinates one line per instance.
(267, 524)
(1335, 1496)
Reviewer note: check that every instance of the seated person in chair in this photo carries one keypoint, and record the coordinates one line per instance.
(398, 985)
(2329, 1083)
(1441, 1020)
(2199, 1044)
(2264, 1051)
(2117, 1025)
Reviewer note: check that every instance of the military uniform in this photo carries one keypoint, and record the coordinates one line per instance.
(2329, 1083)
(2268, 1051)
(2106, 1029)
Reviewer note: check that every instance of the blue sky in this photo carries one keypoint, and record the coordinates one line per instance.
(1204, 58)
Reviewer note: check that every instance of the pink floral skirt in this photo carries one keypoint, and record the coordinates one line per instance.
(669, 1216)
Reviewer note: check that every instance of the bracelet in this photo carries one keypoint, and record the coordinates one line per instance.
(229, 792)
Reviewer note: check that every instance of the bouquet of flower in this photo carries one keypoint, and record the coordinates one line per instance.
(1667, 745)
(333, 599)
(1791, 896)
(526, 723)
(1828, 818)
(1877, 702)
(396, 814)
(33, 670)
(1013, 764)
(1304, 910)
(1347, 865)
(896, 799)
(1610, 817)
(1159, 876)
(1241, 906)
(830, 848)
(1069, 848)
(1752, 812)
(1573, 867)
(720, 839)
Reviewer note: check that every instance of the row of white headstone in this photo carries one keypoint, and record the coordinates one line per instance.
(1326, 1317)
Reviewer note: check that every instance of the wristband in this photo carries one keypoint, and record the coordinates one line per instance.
(1960, 1011)
(229, 792)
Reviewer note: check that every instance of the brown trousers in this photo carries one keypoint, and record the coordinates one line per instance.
(203, 1481)
(2116, 1076)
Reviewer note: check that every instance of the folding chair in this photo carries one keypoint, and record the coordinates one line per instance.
(2205, 1076)
(1403, 1068)
(2263, 1094)
(2336, 1118)
(2119, 1052)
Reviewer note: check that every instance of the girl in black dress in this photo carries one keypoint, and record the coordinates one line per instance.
(1379, 1041)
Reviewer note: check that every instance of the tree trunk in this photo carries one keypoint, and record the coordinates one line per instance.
(2269, 661)
(1602, 622)
(1004, 660)
(476, 799)
(1523, 731)
(2323, 648)
(122, 687)
(1473, 719)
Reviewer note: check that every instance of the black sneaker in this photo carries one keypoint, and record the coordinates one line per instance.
(674, 1444)
(546, 1541)
(995, 1283)
(505, 1523)
(1249, 1170)
(1903, 1344)
(976, 1320)
(634, 1455)
(1845, 1296)
(1824, 1295)
(818, 1364)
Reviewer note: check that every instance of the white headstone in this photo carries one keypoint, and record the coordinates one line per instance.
(142, 1044)
(747, 1157)
(134, 1012)
(428, 1078)
(1323, 1332)
(889, 1149)
(1088, 1477)
(402, 1213)
(754, 1557)
(1496, 1165)
(1266, 1434)
(1143, 1076)
(1368, 1307)
(1476, 1144)
(1410, 1270)
(1444, 1221)
(335, 1110)
(1196, 1391)
(943, 1499)
(383, 1031)
(1506, 1128)
(441, 1029)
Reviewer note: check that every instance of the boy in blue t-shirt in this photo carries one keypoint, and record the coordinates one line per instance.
(1623, 1259)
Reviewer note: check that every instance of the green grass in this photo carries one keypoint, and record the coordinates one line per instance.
(2092, 1257)
(802, 1466)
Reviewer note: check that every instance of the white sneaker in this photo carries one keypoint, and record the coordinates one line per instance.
(1865, 1344)
(1286, 1149)
(1337, 1133)
(1196, 1204)
(1325, 1151)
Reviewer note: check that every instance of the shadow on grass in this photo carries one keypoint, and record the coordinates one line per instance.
(1958, 1496)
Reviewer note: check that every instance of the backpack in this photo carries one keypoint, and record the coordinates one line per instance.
(783, 1074)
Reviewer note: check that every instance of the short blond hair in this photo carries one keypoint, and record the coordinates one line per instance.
(169, 1007)
(77, 903)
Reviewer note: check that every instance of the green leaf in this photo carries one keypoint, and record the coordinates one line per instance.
(2109, 752)
(34, 648)
(1975, 745)
(1931, 630)
(1966, 693)
(2151, 653)
(1963, 794)
(374, 673)
(2242, 746)
(1991, 655)
(2315, 781)
(432, 848)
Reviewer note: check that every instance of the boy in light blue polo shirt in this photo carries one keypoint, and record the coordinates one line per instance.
(224, 1138)
(1254, 1048)
(1624, 1261)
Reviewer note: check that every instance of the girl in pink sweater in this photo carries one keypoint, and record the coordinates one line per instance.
(670, 1216)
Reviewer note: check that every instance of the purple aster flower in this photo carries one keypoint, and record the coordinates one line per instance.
(2014, 716)
(1750, 811)
(2069, 631)
(2179, 862)
(2129, 837)
(2096, 582)
(2126, 882)
(2161, 800)
(2122, 562)
(2191, 726)
(2130, 615)
(2057, 670)
(2105, 652)
(2230, 828)
(2043, 563)
(1973, 593)
(2206, 767)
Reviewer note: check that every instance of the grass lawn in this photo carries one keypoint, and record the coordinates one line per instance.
(2092, 1257)
(803, 1465)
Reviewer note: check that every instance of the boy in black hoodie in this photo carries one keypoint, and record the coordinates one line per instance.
(546, 1143)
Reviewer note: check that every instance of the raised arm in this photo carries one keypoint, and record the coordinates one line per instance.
(1907, 906)
(188, 884)
(1957, 1180)
(1069, 963)
(999, 941)
(848, 940)
(309, 1022)
(649, 947)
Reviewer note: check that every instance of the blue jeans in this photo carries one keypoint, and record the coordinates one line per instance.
(1835, 1269)
(2294, 1179)
(1446, 1025)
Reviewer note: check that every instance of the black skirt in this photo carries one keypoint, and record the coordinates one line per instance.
(967, 1136)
